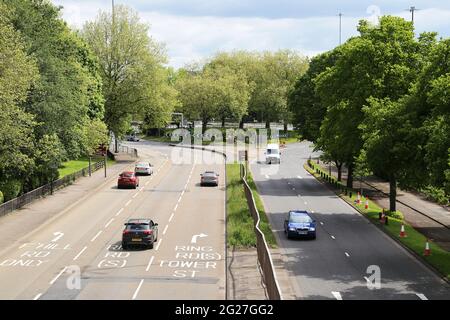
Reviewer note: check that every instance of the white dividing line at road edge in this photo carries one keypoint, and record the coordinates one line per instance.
(118, 213)
(150, 263)
(158, 245)
(79, 254)
(347, 255)
(171, 217)
(137, 290)
(128, 203)
(421, 296)
(96, 236)
(37, 296)
(337, 295)
(59, 275)
(165, 229)
(109, 222)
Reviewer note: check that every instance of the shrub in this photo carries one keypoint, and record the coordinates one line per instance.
(436, 194)
(1, 197)
(10, 189)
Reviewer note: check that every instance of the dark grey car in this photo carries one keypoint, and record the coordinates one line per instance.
(139, 232)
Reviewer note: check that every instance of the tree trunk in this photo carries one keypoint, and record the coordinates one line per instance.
(339, 168)
(116, 144)
(285, 128)
(204, 124)
(392, 194)
(241, 124)
(267, 124)
(350, 176)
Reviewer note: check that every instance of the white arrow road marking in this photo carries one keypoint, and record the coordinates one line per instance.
(137, 290)
(58, 235)
(78, 255)
(421, 296)
(194, 238)
(337, 295)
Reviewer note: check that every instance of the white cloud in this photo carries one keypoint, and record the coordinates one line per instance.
(189, 38)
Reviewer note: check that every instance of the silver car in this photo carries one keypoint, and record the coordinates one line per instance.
(143, 168)
(209, 178)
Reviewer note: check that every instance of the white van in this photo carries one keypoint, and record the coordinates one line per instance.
(273, 154)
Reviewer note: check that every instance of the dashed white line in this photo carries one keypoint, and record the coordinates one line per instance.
(306, 202)
(158, 245)
(176, 207)
(266, 176)
(79, 254)
(171, 217)
(119, 212)
(37, 296)
(299, 177)
(421, 296)
(135, 195)
(347, 255)
(179, 199)
(321, 223)
(333, 237)
(96, 236)
(165, 229)
(150, 263)
(141, 189)
(128, 203)
(337, 295)
(109, 222)
(22, 246)
(59, 275)
(137, 290)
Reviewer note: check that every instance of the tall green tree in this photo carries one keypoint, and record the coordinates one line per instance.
(128, 59)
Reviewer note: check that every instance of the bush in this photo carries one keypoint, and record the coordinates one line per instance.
(1, 197)
(436, 194)
(10, 189)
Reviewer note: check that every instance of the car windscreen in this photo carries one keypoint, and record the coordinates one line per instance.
(300, 219)
(136, 226)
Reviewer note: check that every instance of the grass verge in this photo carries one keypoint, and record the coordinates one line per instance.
(415, 241)
(241, 233)
(73, 166)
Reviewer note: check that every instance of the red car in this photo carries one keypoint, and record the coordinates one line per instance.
(128, 179)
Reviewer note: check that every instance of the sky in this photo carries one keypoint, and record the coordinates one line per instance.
(193, 30)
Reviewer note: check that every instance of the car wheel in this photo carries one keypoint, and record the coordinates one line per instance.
(150, 245)
(124, 246)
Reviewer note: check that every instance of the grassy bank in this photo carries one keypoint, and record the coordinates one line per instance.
(73, 166)
(240, 222)
(415, 241)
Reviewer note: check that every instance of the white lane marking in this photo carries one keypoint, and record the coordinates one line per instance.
(179, 200)
(109, 222)
(96, 236)
(171, 217)
(137, 290)
(79, 254)
(182, 194)
(321, 223)
(176, 207)
(347, 255)
(141, 189)
(135, 195)
(306, 202)
(147, 183)
(37, 296)
(299, 177)
(333, 237)
(22, 246)
(59, 275)
(165, 229)
(128, 203)
(150, 263)
(266, 176)
(337, 295)
(312, 211)
(119, 212)
(421, 296)
(158, 245)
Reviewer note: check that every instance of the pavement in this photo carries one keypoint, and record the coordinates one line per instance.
(351, 258)
(68, 246)
(427, 217)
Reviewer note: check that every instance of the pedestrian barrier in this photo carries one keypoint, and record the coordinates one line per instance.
(47, 189)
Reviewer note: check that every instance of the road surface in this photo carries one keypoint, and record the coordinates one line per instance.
(78, 255)
(335, 265)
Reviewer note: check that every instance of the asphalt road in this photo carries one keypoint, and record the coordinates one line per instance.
(335, 265)
(79, 254)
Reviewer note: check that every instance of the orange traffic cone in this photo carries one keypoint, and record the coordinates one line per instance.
(358, 200)
(367, 204)
(402, 232)
(427, 251)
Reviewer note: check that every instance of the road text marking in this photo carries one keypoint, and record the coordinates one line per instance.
(337, 295)
(421, 296)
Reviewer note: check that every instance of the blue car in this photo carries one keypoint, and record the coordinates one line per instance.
(299, 224)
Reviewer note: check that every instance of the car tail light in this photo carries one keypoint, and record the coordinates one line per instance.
(126, 231)
(148, 232)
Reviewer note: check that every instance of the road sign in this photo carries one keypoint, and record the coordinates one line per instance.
(243, 155)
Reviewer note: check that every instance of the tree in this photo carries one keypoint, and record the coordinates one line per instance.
(128, 60)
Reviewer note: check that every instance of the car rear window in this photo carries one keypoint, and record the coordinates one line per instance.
(300, 218)
(127, 175)
(136, 226)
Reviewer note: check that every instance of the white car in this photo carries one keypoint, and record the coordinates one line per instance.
(143, 168)
(273, 154)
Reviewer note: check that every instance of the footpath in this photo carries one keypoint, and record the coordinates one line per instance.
(427, 217)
